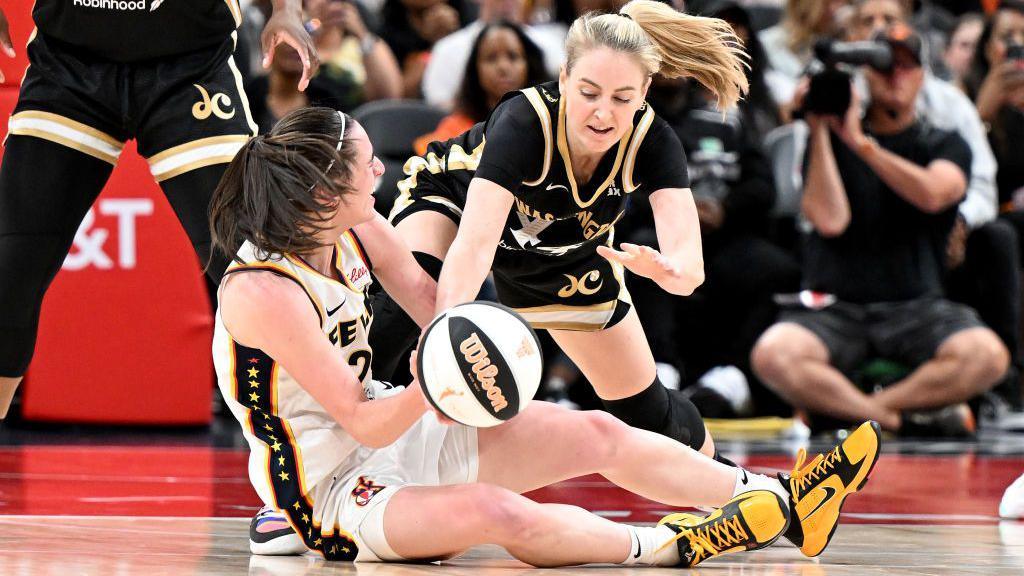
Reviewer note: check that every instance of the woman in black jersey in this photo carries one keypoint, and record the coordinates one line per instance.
(534, 192)
(161, 72)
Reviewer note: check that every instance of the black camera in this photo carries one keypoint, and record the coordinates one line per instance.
(829, 93)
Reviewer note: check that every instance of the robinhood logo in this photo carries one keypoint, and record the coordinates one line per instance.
(113, 4)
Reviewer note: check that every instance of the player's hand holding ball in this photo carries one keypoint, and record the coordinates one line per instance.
(479, 364)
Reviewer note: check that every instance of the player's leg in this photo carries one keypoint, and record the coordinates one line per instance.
(519, 455)
(428, 234)
(196, 118)
(189, 195)
(429, 523)
(45, 191)
(619, 364)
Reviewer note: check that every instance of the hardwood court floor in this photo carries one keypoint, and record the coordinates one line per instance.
(47, 545)
(182, 508)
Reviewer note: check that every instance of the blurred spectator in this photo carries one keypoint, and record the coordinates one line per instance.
(733, 192)
(760, 113)
(996, 82)
(502, 59)
(351, 54)
(881, 195)
(960, 49)
(790, 43)
(276, 94)
(443, 76)
(411, 28)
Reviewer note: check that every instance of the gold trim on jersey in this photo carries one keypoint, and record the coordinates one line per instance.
(562, 317)
(67, 132)
(630, 163)
(563, 149)
(255, 383)
(264, 266)
(195, 154)
(455, 159)
(236, 11)
(534, 97)
(240, 89)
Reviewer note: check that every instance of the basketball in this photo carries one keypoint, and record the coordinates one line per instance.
(479, 363)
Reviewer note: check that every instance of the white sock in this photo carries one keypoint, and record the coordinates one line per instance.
(646, 541)
(747, 481)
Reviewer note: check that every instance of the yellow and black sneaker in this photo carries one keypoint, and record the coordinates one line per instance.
(750, 521)
(819, 488)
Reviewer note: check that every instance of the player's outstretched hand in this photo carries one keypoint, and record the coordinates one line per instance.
(286, 26)
(642, 260)
(5, 39)
(416, 384)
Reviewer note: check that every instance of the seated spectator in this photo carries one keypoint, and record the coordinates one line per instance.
(790, 44)
(961, 46)
(996, 82)
(411, 28)
(760, 114)
(733, 193)
(443, 75)
(276, 94)
(881, 195)
(501, 60)
(981, 251)
(351, 54)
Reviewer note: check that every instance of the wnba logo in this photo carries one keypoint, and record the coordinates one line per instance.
(474, 352)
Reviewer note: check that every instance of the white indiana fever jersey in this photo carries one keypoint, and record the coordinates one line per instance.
(294, 442)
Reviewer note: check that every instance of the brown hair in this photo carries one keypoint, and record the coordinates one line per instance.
(281, 188)
(668, 42)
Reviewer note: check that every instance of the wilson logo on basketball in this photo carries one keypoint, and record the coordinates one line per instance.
(356, 274)
(475, 353)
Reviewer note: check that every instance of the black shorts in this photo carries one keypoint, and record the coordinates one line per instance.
(186, 112)
(579, 290)
(906, 332)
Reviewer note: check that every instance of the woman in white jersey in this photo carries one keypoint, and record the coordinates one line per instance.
(363, 471)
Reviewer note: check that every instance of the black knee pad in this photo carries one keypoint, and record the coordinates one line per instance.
(684, 422)
(661, 410)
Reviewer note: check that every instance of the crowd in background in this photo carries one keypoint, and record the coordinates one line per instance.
(775, 246)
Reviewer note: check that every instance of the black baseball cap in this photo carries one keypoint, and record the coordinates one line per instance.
(902, 38)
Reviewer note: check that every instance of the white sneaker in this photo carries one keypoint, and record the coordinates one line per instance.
(270, 534)
(731, 384)
(1012, 505)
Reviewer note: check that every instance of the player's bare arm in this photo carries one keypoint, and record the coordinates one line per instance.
(472, 253)
(679, 266)
(290, 333)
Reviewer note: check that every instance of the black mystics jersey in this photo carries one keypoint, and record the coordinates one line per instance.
(523, 147)
(137, 30)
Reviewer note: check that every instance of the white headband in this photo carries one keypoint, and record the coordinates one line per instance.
(341, 135)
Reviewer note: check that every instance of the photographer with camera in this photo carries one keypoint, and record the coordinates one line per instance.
(881, 195)
(982, 253)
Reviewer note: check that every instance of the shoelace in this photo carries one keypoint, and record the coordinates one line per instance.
(726, 533)
(803, 475)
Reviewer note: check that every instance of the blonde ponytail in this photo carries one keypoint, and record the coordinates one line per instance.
(669, 42)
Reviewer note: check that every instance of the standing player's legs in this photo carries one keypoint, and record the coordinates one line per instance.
(618, 363)
(428, 234)
(195, 117)
(189, 195)
(45, 191)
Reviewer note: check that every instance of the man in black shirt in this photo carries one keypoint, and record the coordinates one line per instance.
(881, 194)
